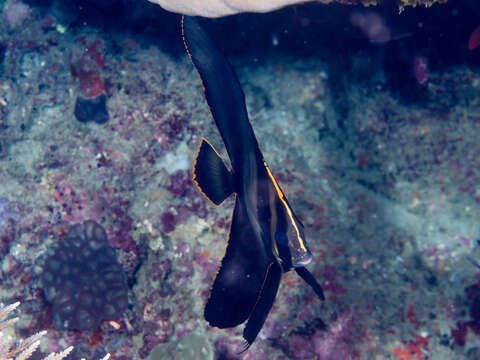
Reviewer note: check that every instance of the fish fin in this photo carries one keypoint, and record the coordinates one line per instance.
(239, 280)
(264, 303)
(310, 280)
(211, 175)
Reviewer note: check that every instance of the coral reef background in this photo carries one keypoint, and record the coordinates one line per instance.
(371, 130)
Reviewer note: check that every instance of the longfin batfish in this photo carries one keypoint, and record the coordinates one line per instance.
(266, 238)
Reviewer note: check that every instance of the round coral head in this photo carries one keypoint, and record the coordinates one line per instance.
(83, 280)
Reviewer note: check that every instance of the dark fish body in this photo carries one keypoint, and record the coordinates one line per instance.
(266, 238)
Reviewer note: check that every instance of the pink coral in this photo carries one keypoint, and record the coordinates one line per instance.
(474, 39)
(15, 13)
(420, 69)
(88, 61)
(337, 344)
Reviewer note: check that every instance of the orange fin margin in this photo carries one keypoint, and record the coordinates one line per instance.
(211, 175)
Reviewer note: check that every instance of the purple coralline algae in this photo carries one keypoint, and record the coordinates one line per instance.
(7, 213)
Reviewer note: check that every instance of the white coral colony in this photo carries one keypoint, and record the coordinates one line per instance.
(217, 8)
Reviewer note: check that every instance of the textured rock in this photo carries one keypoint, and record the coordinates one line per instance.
(192, 346)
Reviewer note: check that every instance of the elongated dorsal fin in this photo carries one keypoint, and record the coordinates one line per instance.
(211, 175)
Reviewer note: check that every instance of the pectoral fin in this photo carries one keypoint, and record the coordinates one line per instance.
(211, 175)
(310, 280)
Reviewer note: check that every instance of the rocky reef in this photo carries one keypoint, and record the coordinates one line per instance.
(368, 119)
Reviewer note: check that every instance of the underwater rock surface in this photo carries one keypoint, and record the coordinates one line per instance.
(373, 138)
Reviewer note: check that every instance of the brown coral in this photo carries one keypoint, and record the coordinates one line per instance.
(83, 280)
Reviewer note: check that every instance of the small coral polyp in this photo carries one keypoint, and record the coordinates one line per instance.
(83, 280)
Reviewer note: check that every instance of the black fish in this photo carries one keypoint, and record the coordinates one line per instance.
(266, 238)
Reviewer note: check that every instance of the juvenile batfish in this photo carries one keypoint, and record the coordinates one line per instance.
(266, 238)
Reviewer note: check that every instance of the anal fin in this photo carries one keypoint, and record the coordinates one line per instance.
(211, 175)
(264, 303)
